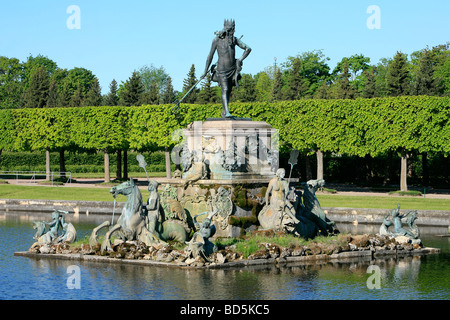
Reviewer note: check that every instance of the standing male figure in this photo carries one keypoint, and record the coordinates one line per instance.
(226, 71)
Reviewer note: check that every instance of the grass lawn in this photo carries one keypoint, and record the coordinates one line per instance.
(102, 194)
(380, 202)
(57, 193)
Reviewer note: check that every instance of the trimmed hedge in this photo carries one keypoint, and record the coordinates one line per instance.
(354, 127)
(347, 127)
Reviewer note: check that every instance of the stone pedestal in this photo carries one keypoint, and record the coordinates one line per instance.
(232, 149)
(227, 164)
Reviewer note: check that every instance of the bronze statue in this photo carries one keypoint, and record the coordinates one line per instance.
(227, 70)
(278, 213)
(395, 218)
(59, 230)
(312, 210)
(153, 207)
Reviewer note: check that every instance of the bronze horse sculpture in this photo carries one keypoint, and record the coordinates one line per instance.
(132, 223)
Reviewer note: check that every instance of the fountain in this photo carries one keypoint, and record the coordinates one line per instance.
(230, 187)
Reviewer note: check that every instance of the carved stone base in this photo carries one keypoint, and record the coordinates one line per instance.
(232, 149)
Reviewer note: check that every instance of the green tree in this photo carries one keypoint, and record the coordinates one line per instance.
(277, 92)
(52, 100)
(264, 87)
(64, 95)
(427, 67)
(305, 73)
(188, 83)
(94, 95)
(131, 91)
(207, 93)
(151, 128)
(426, 84)
(36, 94)
(153, 78)
(73, 86)
(323, 91)
(369, 88)
(33, 63)
(11, 88)
(42, 130)
(112, 99)
(246, 92)
(168, 94)
(356, 65)
(297, 84)
(443, 72)
(77, 97)
(151, 96)
(380, 72)
(441, 55)
(397, 76)
(58, 95)
(343, 88)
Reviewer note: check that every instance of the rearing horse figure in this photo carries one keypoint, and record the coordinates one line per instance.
(131, 223)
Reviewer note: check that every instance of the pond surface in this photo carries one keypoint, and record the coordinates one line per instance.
(424, 277)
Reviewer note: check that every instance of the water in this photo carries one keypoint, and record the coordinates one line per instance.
(418, 278)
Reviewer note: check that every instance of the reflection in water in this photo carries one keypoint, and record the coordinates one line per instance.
(314, 281)
(423, 277)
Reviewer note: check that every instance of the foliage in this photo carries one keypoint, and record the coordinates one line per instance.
(246, 92)
(356, 64)
(151, 127)
(359, 127)
(355, 127)
(207, 94)
(33, 63)
(168, 93)
(11, 87)
(304, 76)
(343, 88)
(100, 128)
(112, 99)
(130, 92)
(37, 92)
(153, 78)
(7, 135)
(94, 95)
(188, 83)
(304, 73)
(397, 77)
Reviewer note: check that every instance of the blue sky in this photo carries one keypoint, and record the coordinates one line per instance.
(117, 37)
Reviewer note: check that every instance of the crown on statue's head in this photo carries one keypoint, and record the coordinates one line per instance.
(229, 24)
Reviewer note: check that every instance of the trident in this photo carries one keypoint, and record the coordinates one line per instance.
(292, 161)
(141, 160)
(192, 88)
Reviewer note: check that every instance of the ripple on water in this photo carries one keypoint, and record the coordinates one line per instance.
(22, 278)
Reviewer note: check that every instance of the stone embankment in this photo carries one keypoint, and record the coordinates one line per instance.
(86, 208)
(343, 247)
